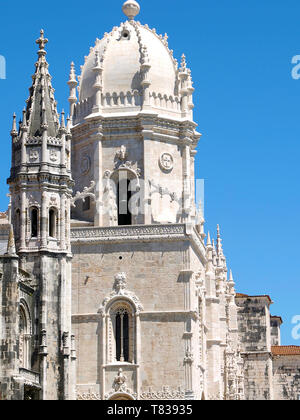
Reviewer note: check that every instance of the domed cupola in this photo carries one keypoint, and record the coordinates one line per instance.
(129, 70)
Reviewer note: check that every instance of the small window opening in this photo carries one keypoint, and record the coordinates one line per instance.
(123, 197)
(18, 223)
(122, 337)
(34, 223)
(52, 223)
(125, 34)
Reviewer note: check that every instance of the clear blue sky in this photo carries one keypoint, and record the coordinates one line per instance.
(247, 108)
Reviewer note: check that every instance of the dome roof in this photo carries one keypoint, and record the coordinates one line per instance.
(121, 53)
(129, 70)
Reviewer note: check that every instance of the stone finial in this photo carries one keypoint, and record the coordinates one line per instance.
(14, 131)
(42, 41)
(131, 9)
(183, 63)
(72, 74)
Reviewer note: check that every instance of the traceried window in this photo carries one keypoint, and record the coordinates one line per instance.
(121, 332)
(122, 335)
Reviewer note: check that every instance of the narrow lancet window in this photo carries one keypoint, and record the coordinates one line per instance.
(34, 223)
(52, 223)
(122, 336)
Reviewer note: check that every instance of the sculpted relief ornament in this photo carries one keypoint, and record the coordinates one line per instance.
(119, 291)
(87, 192)
(166, 162)
(33, 155)
(120, 387)
(85, 164)
(121, 162)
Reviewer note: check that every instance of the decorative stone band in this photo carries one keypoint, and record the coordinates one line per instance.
(131, 233)
(142, 233)
(88, 396)
(31, 377)
(85, 318)
(165, 394)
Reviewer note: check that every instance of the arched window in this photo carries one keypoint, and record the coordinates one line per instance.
(24, 338)
(52, 223)
(122, 335)
(121, 324)
(34, 222)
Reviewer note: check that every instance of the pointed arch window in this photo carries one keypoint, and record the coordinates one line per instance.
(24, 338)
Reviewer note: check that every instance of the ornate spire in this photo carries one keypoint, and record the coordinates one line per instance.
(183, 67)
(41, 105)
(72, 85)
(14, 131)
(208, 243)
(231, 284)
(221, 260)
(219, 243)
(131, 9)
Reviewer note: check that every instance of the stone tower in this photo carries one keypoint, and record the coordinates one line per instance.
(41, 189)
(153, 309)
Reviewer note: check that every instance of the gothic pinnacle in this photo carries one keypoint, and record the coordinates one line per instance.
(62, 124)
(72, 83)
(208, 243)
(11, 247)
(14, 131)
(24, 122)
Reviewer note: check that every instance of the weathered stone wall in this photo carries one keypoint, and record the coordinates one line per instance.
(154, 276)
(286, 371)
(258, 376)
(255, 341)
(9, 339)
(254, 324)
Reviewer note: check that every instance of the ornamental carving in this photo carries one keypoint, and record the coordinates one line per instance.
(119, 384)
(53, 156)
(165, 394)
(85, 164)
(120, 291)
(166, 162)
(88, 396)
(87, 192)
(122, 154)
(33, 155)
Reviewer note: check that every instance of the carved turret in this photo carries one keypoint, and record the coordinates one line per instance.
(40, 180)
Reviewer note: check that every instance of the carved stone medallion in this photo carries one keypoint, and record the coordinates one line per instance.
(33, 155)
(166, 162)
(85, 164)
